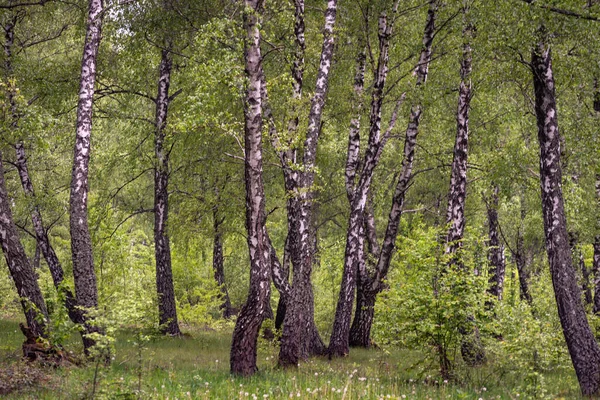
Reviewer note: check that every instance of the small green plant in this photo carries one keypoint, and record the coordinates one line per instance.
(431, 302)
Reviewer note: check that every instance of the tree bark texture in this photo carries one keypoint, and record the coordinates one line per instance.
(300, 338)
(281, 277)
(585, 281)
(596, 259)
(496, 248)
(471, 347)
(358, 192)
(20, 269)
(81, 244)
(245, 334)
(521, 259)
(584, 351)
(167, 308)
(218, 269)
(43, 242)
(457, 196)
(370, 284)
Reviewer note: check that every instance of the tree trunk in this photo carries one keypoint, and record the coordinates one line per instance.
(584, 351)
(360, 332)
(458, 180)
(520, 257)
(373, 284)
(167, 308)
(218, 269)
(299, 329)
(472, 350)
(20, 269)
(81, 243)
(496, 249)
(43, 242)
(281, 278)
(245, 334)
(596, 260)
(585, 283)
(358, 193)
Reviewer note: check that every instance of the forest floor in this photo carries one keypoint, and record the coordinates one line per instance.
(197, 367)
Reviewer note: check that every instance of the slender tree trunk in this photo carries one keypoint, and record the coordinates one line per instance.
(81, 244)
(252, 314)
(167, 308)
(43, 242)
(496, 251)
(358, 192)
(284, 277)
(585, 284)
(373, 284)
(218, 269)
(596, 260)
(520, 260)
(584, 351)
(472, 349)
(458, 180)
(299, 330)
(20, 269)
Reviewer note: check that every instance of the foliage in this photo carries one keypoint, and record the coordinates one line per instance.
(430, 301)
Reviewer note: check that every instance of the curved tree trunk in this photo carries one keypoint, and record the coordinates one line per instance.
(252, 314)
(167, 308)
(373, 284)
(584, 351)
(358, 192)
(20, 269)
(81, 243)
(43, 242)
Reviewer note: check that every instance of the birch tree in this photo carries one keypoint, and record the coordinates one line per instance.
(582, 345)
(358, 184)
(372, 283)
(245, 335)
(86, 290)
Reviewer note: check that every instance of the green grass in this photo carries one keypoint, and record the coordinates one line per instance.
(197, 367)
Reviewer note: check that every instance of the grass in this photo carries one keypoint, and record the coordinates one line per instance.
(197, 367)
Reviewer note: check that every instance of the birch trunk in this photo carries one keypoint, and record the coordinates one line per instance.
(472, 350)
(299, 338)
(496, 251)
(245, 334)
(372, 284)
(20, 269)
(358, 192)
(584, 351)
(521, 261)
(43, 242)
(81, 244)
(167, 309)
(218, 267)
